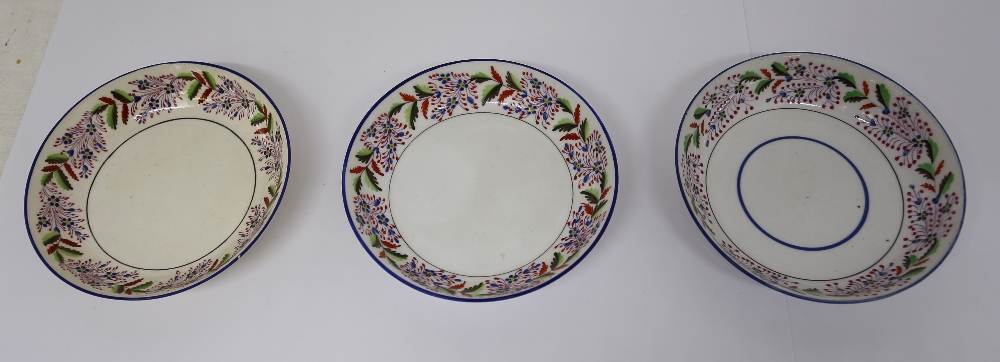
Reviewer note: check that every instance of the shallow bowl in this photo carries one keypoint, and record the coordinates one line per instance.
(819, 177)
(480, 180)
(157, 181)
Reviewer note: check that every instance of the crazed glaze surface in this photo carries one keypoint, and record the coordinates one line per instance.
(179, 127)
(824, 113)
(505, 92)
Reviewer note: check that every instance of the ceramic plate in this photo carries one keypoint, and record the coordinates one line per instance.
(480, 180)
(157, 180)
(820, 177)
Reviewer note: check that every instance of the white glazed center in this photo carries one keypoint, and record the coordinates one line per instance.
(171, 194)
(480, 194)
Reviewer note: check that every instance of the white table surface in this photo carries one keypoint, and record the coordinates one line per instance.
(653, 289)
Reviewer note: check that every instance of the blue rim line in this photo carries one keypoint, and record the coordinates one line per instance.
(421, 289)
(739, 194)
(277, 202)
(680, 185)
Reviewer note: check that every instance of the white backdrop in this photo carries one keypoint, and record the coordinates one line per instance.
(652, 289)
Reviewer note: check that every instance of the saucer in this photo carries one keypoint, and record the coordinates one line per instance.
(819, 177)
(480, 180)
(157, 181)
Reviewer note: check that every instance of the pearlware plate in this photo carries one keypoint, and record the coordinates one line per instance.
(157, 180)
(480, 180)
(819, 177)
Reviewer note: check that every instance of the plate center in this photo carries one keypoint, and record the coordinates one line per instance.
(480, 194)
(802, 193)
(171, 194)
(789, 188)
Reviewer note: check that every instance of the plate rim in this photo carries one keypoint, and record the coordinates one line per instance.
(347, 157)
(680, 185)
(277, 202)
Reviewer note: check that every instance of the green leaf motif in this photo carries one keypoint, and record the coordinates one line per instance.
(411, 115)
(98, 108)
(946, 183)
(62, 181)
(374, 241)
(604, 180)
(46, 178)
(193, 89)
(779, 68)
(50, 238)
(364, 154)
(474, 289)
(749, 76)
(397, 257)
(564, 125)
(687, 142)
(930, 251)
(697, 139)
(118, 289)
(209, 79)
(584, 130)
(58, 257)
(257, 119)
(357, 184)
(490, 92)
(847, 79)
(557, 260)
(123, 97)
(883, 95)
(565, 104)
(593, 195)
(371, 180)
(69, 252)
(396, 107)
(142, 286)
(699, 112)
(911, 273)
(422, 91)
(56, 158)
(932, 149)
(910, 260)
(513, 82)
(112, 116)
(260, 106)
(600, 206)
(762, 85)
(926, 169)
(185, 76)
(855, 96)
(272, 190)
(481, 77)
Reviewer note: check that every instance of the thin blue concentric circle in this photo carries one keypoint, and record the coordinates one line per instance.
(739, 193)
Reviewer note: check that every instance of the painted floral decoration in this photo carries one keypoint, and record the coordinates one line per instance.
(905, 131)
(75, 150)
(499, 87)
